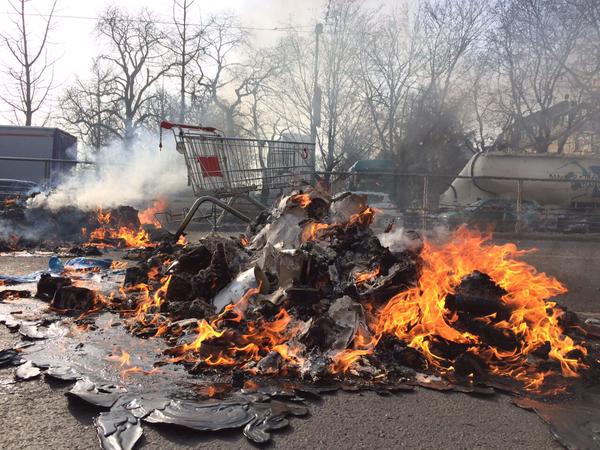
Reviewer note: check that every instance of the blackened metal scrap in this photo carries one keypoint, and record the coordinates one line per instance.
(99, 394)
(204, 416)
(118, 429)
(478, 296)
(73, 299)
(142, 405)
(439, 384)
(10, 357)
(13, 293)
(63, 373)
(574, 423)
(9, 321)
(41, 331)
(27, 371)
(48, 285)
(124, 439)
(270, 416)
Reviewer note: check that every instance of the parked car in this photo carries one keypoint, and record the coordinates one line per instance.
(576, 221)
(497, 213)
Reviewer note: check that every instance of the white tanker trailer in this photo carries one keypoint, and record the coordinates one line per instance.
(580, 175)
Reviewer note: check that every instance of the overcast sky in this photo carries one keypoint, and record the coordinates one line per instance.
(74, 41)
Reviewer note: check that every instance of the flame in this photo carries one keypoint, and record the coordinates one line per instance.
(118, 265)
(147, 313)
(153, 273)
(129, 237)
(262, 336)
(316, 230)
(123, 359)
(364, 277)
(363, 344)
(302, 200)
(313, 231)
(182, 240)
(418, 315)
(148, 216)
(9, 201)
(103, 217)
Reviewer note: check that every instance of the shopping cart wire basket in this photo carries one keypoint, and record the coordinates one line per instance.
(221, 169)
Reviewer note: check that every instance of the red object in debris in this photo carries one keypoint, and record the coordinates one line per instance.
(170, 125)
(210, 166)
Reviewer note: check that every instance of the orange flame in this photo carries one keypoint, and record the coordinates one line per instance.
(123, 359)
(315, 230)
(419, 317)
(148, 216)
(364, 277)
(302, 200)
(129, 237)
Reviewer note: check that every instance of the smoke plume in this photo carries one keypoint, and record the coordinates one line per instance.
(133, 174)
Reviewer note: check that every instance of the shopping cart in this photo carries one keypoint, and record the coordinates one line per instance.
(222, 169)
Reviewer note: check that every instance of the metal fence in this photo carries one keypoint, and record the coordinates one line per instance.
(415, 202)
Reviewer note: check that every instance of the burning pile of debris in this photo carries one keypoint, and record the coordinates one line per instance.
(310, 300)
(24, 227)
(313, 294)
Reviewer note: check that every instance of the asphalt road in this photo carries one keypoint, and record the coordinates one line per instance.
(35, 415)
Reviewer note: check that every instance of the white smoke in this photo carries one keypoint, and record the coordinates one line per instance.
(130, 175)
(400, 239)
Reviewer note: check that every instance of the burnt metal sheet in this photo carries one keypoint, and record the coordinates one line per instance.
(203, 416)
(574, 423)
(99, 394)
(27, 371)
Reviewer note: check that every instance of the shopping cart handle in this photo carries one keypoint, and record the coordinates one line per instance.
(170, 125)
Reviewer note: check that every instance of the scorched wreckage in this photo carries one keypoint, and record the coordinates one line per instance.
(241, 331)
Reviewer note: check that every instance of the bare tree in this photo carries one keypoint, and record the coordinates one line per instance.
(91, 107)
(292, 87)
(31, 82)
(535, 42)
(340, 91)
(138, 58)
(344, 133)
(214, 69)
(450, 29)
(256, 88)
(390, 62)
(187, 44)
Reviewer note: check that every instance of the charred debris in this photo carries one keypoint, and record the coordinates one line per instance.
(308, 301)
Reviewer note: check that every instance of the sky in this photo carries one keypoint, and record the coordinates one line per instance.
(74, 43)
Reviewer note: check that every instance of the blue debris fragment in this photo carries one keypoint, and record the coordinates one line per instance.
(56, 268)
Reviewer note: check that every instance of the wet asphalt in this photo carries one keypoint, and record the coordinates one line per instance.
(36, 415)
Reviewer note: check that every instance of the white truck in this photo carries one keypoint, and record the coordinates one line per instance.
(555, 180)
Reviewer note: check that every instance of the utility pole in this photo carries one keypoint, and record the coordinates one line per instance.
(315, 116)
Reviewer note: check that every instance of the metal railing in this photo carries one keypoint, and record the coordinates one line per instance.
(415, 200)
(46, 161)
